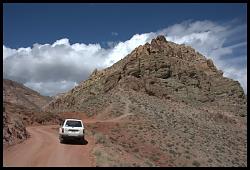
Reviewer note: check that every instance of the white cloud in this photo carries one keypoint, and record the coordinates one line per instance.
(210, 39)
(63, 41)
(114, 33)
(124, 48)
(51, 88)
(111, 44)
(7, 52)
(56, 68)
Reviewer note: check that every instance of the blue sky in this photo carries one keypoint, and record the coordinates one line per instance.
(63, 43)
(26, 24)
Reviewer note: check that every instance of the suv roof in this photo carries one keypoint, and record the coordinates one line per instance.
(73, 119)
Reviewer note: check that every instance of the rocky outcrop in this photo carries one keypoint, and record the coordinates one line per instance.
(162, 69)
(22, 107)
(14, 130)
(170, 99)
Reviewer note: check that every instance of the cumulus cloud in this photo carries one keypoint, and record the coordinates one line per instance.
(124, 48)
(58, 67)
(48, 88)
(111, 44)
(224, 43)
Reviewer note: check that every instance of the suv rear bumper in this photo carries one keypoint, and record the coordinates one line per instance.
(65, 136)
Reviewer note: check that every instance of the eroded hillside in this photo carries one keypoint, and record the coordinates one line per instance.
(22, 107)
(165, 105)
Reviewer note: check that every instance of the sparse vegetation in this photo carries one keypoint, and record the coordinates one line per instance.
(45, 117)
(242, 115)
(179, 104)
(196, 163)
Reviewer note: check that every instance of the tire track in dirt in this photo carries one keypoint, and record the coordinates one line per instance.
(44, 149)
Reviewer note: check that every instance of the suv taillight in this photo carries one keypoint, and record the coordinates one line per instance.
(62, 130)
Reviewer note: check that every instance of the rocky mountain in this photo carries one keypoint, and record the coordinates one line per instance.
(18, 94)
(169, 106)
(22, 107)
(162, 69)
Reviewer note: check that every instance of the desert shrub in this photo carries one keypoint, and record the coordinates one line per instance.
(46, 117)
(97, 153)
(100, 138)
(210, 160)
(148, 163)
(196, 163)
(154, 157)
(104, 159)
(136, 150)
(152, 142)
(242, 115)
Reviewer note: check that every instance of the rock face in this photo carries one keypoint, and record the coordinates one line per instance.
(13, 125)
(164, 70)
(22, 107)
(195, 116)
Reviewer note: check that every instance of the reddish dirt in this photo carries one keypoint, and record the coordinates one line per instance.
(44, 149)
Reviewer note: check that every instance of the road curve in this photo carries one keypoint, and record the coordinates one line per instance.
(43, 149)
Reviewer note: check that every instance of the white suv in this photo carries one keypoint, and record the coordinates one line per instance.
(71, 129)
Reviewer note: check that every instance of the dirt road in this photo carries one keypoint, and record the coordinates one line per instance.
(44, 149)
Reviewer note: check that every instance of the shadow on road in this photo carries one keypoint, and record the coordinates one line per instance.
(75, 142)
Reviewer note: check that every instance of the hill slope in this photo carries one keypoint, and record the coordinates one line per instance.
(170, 107)
(22, 107)
(17, 93)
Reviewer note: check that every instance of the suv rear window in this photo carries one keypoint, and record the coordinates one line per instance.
(73, 123)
